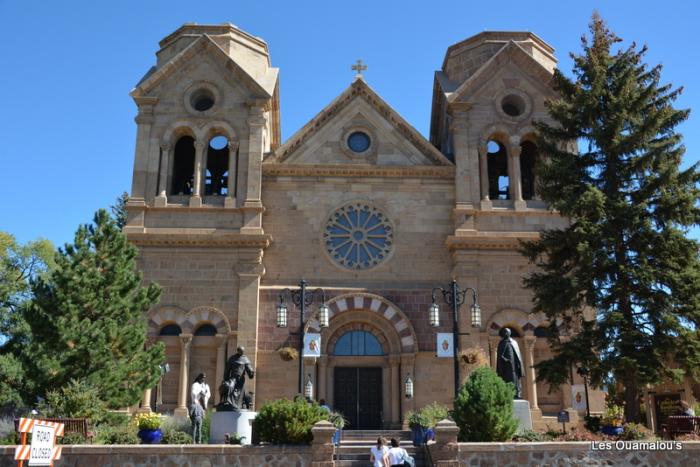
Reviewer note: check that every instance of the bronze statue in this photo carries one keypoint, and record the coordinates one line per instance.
(509, 365)
(231, 390)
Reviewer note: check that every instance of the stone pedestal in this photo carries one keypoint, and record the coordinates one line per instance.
(521, 412)
(231, 422)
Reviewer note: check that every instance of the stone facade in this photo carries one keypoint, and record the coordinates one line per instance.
(226, 216)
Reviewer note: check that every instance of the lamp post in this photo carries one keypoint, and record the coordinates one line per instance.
(583, 373)
(454, 297)
(302, 298)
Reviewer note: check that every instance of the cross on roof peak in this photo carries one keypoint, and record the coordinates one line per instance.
(359, 67)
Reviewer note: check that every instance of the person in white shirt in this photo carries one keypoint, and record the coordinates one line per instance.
(396, 454)
(200, 392)
(378, 454)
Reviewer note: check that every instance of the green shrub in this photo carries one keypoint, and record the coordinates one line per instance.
(10, 439)
(116, 419)
(78, 399)
(417, 419)
(635, 432)
(288, 422)
(592, 423)
(434, 412)
(206, 427)
(484, 408)
(176, 437)
(531, 436)
(72, 438)
(121, 434)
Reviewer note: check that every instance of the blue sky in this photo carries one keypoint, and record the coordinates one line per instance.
(67, 68)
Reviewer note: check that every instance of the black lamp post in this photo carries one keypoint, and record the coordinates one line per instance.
(583, 373)
(454, 297)
(302, 298)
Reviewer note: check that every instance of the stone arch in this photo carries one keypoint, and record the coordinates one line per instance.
(527, 133)
(525, 322)
(366, 307)
(178, 129)
(497, 132)
(206, 314)
(217, 128)
(163, 315)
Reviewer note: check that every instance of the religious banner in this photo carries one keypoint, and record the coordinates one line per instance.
(312, 345)
(665, 405)
(444, 345)
(578, 397)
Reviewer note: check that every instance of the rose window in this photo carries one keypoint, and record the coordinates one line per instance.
(358, 236)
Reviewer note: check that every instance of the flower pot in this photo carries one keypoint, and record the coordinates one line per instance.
(429, 435)
(150, 436)
(612, 430)
(418, 435)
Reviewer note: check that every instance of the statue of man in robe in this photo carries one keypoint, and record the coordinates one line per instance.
(509, 365)
(231, 390)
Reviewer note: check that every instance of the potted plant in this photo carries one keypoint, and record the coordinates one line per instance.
(432, 414)
(149, 427)
(612, 420)
(338, 422)
(418, 424)
(288, 353)
(233, 438)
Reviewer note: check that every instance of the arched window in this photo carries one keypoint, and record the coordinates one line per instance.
(216, 182)
(170, 330)
(183, 167)
(528, 157)
(497, 160)
(205, 330)
(358, 343)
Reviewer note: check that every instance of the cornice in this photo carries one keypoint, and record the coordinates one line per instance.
(490, 241)
(353, 170)
(197, 237)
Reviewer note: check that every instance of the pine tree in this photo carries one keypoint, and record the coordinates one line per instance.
(625, 258)
(118, 209)
(88, 321)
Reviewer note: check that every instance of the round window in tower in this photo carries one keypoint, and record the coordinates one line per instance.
(513, 105)
(202, 100)
(359, 142)
(358, 236)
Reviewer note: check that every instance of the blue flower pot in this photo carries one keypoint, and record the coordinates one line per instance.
(418, 435)
(336, 436)
(150, 436)
(612, 430)
(429, 435)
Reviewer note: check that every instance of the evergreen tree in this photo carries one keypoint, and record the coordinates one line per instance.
(484, 408)
(622, 278)
(118, 209)
(88, 322)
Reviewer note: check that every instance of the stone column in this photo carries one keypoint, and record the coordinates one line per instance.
(322, 445)
(516, 183)
(322, 379)
(530, 370)
(249, 270)
(220, 365)
(185, 342)
(230, 200)
(146, 402)
(162, 198)
(252, 204)
(493, 347)
(484, 172)
(196, 198)
(460, 140)
(396, 391)
(144, 121)
(445, 451)
(408, 362)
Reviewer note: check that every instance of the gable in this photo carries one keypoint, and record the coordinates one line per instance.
(324, 140)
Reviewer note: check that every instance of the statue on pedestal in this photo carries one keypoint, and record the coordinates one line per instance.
(509, 361)
(231, 389)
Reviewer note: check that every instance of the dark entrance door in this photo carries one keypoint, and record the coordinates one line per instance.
(357, 394)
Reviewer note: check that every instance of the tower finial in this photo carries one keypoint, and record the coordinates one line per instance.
(359, 67)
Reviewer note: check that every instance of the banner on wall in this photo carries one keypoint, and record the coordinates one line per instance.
(445, 344)
(578, 397)
(312, 345)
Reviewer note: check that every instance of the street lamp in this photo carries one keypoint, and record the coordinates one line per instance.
(302, 298)
(309, 389)
(583, 373)
(454, 297)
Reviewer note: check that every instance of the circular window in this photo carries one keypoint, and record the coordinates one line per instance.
(358, 236)
(359, 141)
(513, 105)
(202, 100)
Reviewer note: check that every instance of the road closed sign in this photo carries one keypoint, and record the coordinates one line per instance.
(41, 452)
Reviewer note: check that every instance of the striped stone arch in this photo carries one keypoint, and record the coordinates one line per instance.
(187, 320)
(206, 314)
(525, 322)
(386, 311)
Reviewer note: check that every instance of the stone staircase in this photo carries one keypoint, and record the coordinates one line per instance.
(354, 447)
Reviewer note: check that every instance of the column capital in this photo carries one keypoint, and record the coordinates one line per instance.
(530, 342)
(185, 340)
(232, 146)
(166, 147)
(199, 144)
(256, 121)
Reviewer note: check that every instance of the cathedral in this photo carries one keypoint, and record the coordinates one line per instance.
(346, 232)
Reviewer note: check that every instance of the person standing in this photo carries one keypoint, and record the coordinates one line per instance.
(378, 454)
(398, 455)
(200, 392)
